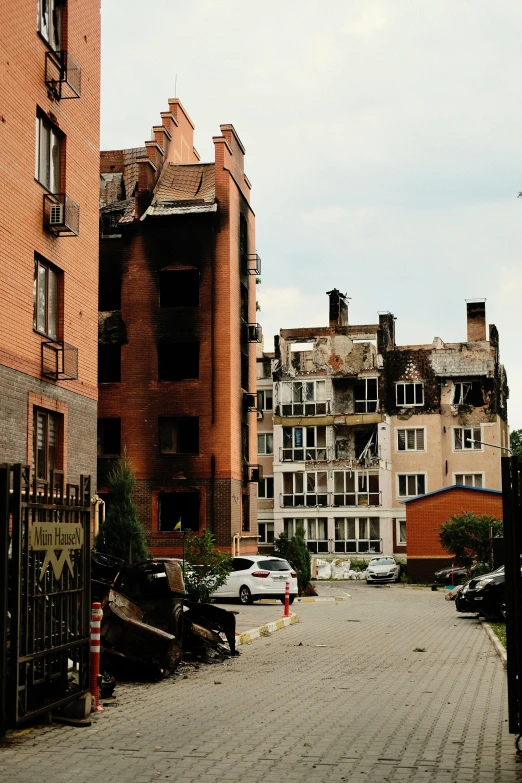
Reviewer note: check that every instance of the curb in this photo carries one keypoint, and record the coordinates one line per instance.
(266, 630)
(321, 599)
(495, 642)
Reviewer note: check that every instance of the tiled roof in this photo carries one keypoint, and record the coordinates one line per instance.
(184, 188)
(130, 168)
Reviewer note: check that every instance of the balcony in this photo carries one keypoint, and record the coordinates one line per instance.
(304, 408)
(59, 361)
(315, 454)
(61, 215)
(251, 264)
(62, 75)
(254, 333)
(304, 500)
(252, 474)
(356, 499)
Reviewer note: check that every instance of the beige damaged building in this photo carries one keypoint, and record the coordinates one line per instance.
(361, 424)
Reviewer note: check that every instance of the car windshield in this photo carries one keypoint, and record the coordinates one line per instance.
(274, 565)
(382, 561)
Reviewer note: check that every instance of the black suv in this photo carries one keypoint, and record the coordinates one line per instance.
(484, 594)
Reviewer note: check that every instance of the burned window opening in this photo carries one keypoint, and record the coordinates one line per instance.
(178, 361)
(109, 363)
(179, 288)
(174, 507)
(179, 435)
(366, 395)
(109, 437)
(109, 294)
(468, 393)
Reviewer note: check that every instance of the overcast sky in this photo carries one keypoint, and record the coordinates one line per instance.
(383, 144)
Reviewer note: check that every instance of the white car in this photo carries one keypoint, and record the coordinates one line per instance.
(381, 570)
(258, 576)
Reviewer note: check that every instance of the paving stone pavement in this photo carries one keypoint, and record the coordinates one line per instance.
(342, 696)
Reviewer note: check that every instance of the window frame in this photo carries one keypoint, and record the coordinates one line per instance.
(50, 38)
(299, 407)
(305, 452)
(264, 482)
(401, 541)
(53, 176)
(262, 399)
(50, 272)
(373, 403)
(356, 545)
(265, 453)
(265, 539)
(472, 448)
(406, 449)
(47, 415)
(398, 476)
(474, 474)
(361, 496)
(178, 419)
(403, 384)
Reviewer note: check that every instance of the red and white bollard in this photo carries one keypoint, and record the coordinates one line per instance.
(286, 613)
(96, 616)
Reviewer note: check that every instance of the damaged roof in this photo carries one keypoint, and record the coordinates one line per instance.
(184, 188)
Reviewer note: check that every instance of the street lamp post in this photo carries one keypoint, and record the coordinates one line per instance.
(483, 443)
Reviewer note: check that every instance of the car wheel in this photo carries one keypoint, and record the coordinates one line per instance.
(291, 599)
(245, 596)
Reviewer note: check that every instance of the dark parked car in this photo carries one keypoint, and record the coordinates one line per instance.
(460, 574)
(484, 594)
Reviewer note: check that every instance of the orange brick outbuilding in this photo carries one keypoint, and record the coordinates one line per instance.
(425, 513)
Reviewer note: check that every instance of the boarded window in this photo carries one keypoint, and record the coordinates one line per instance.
(179, 435)
(178, 361)
(174, 507)
(179, 288)
(109, 363)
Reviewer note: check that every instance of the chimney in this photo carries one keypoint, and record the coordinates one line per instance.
(338, 309)
(476, 320)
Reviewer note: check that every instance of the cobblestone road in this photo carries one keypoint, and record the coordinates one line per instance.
(340, 696)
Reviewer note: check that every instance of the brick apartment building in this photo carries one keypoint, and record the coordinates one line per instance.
(361, 424)
(49, 160)
(177, 333)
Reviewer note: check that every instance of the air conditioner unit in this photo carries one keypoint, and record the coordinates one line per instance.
(56, 214)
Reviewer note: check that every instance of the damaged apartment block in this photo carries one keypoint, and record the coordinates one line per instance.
(361, 424)
(177, 333)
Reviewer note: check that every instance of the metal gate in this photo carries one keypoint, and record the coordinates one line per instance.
(45, 595)
(512, 514)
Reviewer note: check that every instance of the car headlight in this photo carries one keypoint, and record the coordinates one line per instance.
(482, 583)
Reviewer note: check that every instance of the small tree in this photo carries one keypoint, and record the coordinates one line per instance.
(122, 534)
(298, 555)
(468, 536)
(515, 441)
(207, 569)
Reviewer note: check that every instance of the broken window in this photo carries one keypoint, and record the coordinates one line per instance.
(109, 437)
(409, 394)
(265, 443)
(109, 363)
(266, 532)
(179, 435)
(110, 227)
(365, 444)
(356, 488)
(304, 443)
(465, 438)
(469, 479)
(50, 21)
(179, 288)
(109, 293)
(304, 398)
(358, 534)
(410, 439)
(411, 484)
(178, 361)
(174, 507)
(468, 393)
(366, 395)
(45, 298)
(265, 400)
(316, 488)
(265, 488)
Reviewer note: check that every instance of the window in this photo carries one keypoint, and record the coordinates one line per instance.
(401, 532)
(241, 564)
(46, 440)
(50, 21)
(411, 484)
(45, 298)
(356, 488)
(303, 398)
(245, 513)
(48, 144)
(265, 443)
(315, 532)
(464, 438)
(305, 489)
(174, 507)
(109, 293)
(179, 288)
(109, 438)
(409, 394)
(468, 393)
(366, 396)
(410, 439)
(304, 443)
(109, 363)
(470, 479)
(357, 534)
(265, 489)
(266, 532)
(178, 361)
(264, 400)
(179, 435)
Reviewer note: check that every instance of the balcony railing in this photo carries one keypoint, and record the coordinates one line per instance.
(304, 499)
(59, 361)
(311, 408)
(61, 215)
(62, 75)
(359, 546)
(252, 264)
(316, 454)
(366, 406)
(356, 499)
(332, 499)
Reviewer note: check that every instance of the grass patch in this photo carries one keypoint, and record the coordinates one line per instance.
(499, 629)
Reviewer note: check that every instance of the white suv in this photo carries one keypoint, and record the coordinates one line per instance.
(258, 576)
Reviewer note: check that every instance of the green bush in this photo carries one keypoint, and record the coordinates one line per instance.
(296, 551)
(206, 568)
(467, 536)
(359, 565)
(122, 534)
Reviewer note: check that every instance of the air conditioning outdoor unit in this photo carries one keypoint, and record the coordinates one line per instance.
(56, 214)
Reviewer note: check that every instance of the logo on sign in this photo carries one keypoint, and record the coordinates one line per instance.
(53, 538)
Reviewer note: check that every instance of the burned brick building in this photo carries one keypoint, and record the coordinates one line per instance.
(361, 424)
(177, 333)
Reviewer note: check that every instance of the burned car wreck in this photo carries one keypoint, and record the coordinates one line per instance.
(148, 624)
